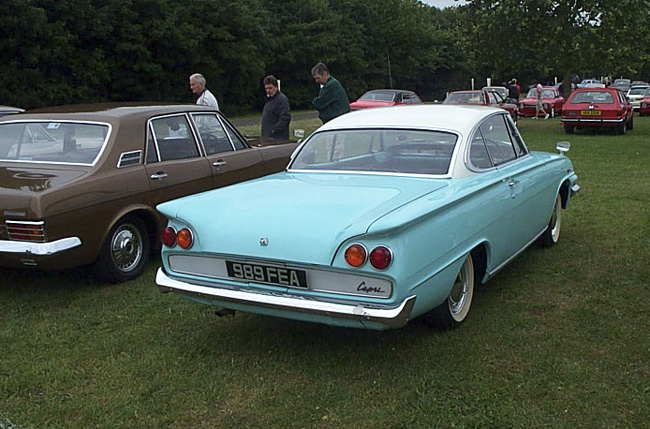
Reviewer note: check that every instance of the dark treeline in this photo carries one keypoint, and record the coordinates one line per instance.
(77, 51)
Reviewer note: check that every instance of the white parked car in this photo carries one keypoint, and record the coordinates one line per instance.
(635, 94)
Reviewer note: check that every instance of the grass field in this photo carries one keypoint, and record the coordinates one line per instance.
(558, 339)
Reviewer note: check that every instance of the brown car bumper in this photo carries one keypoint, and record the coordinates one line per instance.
(29, 254)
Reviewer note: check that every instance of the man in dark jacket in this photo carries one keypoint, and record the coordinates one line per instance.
(332, 101)
(276, 115)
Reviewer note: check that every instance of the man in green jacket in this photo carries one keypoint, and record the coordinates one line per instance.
(332, 101)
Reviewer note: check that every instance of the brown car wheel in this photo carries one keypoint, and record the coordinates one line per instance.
(125, 252)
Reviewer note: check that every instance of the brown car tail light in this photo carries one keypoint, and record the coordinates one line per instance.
(356, 255)
(168, 237)
(26, 231)
(184, 238)
(381, 257)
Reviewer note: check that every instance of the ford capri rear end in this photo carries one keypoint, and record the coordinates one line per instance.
(383, 216)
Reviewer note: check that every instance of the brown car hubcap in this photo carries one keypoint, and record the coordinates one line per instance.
(126, 247)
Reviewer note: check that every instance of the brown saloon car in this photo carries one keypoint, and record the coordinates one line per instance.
(79, 184)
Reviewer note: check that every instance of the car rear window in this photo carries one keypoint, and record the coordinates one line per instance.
(53, 142)
(605, 97)
(378, 151)
(464, 98)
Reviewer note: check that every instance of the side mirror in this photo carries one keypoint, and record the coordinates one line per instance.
(563, 146)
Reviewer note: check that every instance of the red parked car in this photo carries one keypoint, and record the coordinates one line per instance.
(552, 102)
(644, 105)
(598, 107)
(385, 98)
(482, 98)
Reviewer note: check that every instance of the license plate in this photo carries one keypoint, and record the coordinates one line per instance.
(591, 112)
(279, 276)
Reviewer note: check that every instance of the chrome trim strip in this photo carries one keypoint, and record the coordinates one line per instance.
(391, 317)
(593, 121)
(25, 222)
(39, 249)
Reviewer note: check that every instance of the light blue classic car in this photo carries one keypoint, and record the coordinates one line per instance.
(382, 216)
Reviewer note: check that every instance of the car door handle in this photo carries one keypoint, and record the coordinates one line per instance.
(513, 183)
(158, 176)
(219, 163)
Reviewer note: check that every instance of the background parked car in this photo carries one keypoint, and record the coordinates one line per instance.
(644, 105)
(482, 98)
(79, 184)
(585, 83)
(385, 98)
(551, 100)
(598, 107)
(395, 213)
(635, 94)
(622, 84)
(501, 90)
(9, 110)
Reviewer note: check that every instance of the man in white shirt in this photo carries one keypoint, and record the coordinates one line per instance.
(539, 106)
(197, 85)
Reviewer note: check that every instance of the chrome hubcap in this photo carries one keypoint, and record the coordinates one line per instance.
(555, 222)
(458, 293)
(126, 248)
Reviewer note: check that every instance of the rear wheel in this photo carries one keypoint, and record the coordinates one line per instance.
(455, 309)
(552, 233)
(622, 129)
(125, 252)
(630, 123)
(569, 129)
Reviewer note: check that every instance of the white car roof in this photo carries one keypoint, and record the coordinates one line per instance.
(459, 118)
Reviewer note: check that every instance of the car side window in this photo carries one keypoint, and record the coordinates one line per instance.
(478, 154)
(497, 140)
(152, 153)
(234, 137)
(518, 142)
(213, 136)
(173, 138)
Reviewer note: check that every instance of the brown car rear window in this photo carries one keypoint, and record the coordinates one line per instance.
(52, 142)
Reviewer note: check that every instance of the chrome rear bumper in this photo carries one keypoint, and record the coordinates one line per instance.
(39, 249)
(389, 317)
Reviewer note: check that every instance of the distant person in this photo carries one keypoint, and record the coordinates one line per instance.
(205, 97)
(514, 83)
(332, 101)
(513, 91)
(276, 115)
(539, 106)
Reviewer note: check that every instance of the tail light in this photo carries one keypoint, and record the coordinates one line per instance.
(184, 238)
(355, 255)
(26, 231)
(381, 257)
(170, 238)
